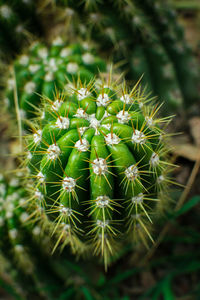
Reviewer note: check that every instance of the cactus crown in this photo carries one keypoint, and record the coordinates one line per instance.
(97, 161)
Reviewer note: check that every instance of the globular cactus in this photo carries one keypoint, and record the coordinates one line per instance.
(15, 230)
(25, 249)
(146, 36)
(45, 70)
(19, 21)
(98, 166)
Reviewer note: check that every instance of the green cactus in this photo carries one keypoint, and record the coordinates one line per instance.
(147, 37)
(171, 35)
(25, 249)
(18, 22)
(98, 164)
(45, 71)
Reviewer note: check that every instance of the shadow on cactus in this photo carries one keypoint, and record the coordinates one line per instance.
(98, 167)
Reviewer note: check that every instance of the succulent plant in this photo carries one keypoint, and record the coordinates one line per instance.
(45, 71)
(25, 249)
(14, 223)
(18, 22)
(171, 35)
(98, 165)
(146, 36)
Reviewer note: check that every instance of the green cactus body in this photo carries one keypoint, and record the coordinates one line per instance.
(18, 19)
(171, 36)
(23, 243)
(98, 164)
(46, 70)
(13, 223)
(123, 27)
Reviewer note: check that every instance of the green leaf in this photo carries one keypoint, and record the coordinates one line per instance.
(87, 294)
(67, 294)
(123, 275)
(167, 290)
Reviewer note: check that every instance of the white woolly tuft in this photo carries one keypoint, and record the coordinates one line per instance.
(30, 87)
(126, 99)
(82, 93)
(80, 113)
(102, 224)
(72, 68)
(69, 184)
(102, 201)
(88, 58)
(40, 177)
(37, 136)
(103, 100)
(62, 123)
(123, 117)
(57, 104)
(131, 172)
(137, 199)
(112, 139)
(23, 60)
(99, 166)
(82, 145)
(154, 160)
(53, 152)
(65, 210)
(138, 137)
(65, 52)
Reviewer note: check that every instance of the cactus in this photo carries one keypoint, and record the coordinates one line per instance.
(25, 249)
(171, 35)
(14, 231)
(98, 164)
(18, 22)
(45, 70)
(147, 36)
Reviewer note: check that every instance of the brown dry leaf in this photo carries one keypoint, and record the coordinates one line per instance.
(186, 150)
(195, 129)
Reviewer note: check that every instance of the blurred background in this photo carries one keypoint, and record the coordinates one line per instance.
(166, 53)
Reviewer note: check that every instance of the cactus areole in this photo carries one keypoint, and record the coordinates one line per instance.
(97, 164)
